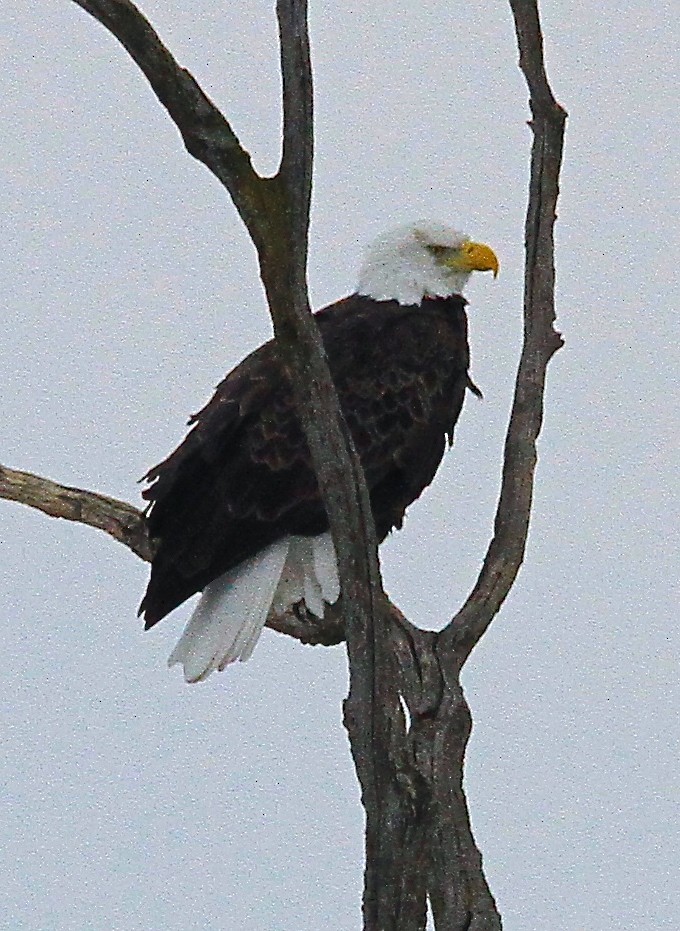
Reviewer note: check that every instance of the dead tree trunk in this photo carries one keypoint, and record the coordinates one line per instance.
(406, 714)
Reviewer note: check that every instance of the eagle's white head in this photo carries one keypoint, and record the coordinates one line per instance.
(422, 260)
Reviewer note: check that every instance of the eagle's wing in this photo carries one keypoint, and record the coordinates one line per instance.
(242, 478)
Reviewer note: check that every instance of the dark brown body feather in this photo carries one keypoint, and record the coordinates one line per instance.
(242, 478)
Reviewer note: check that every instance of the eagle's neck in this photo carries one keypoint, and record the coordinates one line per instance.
(407, 275)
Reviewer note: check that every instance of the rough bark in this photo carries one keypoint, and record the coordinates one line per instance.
(406, 714)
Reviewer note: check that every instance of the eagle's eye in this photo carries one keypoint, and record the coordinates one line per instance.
(437, 251)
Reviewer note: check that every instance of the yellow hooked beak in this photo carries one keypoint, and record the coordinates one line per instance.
(473, 257)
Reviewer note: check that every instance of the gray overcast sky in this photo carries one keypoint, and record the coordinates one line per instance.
(132, 801)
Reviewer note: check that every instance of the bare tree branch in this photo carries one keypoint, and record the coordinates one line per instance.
(120, 520)
(340, 474)
(336, 463)
(127, 525)
(206, 133)
(506, 551)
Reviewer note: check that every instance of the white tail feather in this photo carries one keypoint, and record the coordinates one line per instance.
(326, 567)
(232, 611)
(313, 597)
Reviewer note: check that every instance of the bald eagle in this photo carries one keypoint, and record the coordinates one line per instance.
(235, 509)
